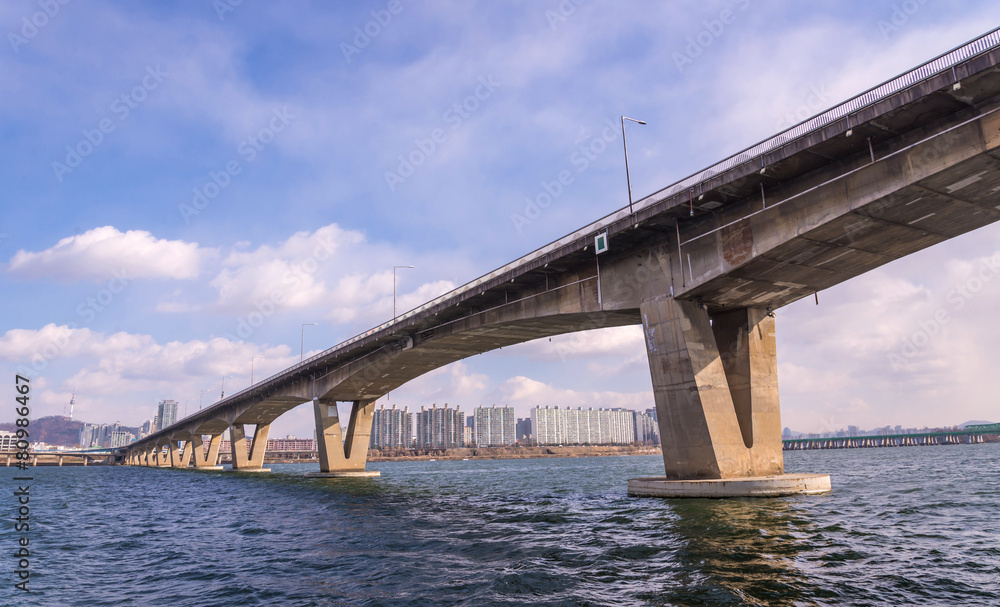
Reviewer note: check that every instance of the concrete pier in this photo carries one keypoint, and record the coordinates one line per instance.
(715, 382)
(343, 457)
(252, 459)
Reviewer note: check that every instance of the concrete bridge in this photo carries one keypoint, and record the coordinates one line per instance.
(701, 264)
(84, 457)
(971, 435)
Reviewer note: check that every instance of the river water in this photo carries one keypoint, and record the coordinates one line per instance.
(915, 525)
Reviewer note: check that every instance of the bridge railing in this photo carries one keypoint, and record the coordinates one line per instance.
(910, 78)
(939, 64)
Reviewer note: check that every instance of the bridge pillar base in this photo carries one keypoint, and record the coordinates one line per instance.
(208, 468)
(339, 455)
(345, 474)
(779, 485)
(251, 470)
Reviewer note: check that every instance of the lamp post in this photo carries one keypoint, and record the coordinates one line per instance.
(251, 369)
(628, 179)
(202, 394)
(223, 392)
(302, 343)
(394, 289)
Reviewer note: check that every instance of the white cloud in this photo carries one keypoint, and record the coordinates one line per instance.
(334, 271)
(119, 375)
(105, 253)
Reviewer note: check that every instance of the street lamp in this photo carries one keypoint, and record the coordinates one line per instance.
(223, 392)
(628, 180)
(251, 368)
(202, 394)
(302, 343)
(394, 289)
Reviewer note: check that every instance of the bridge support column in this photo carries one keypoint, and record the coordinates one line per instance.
(343, 456)
(715, 383)
(184, 456)
(203, 461)
(254, 460)
(163, 455)
(174, 454)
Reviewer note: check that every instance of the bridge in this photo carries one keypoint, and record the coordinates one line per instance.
(972, 434)
(701, 264)
(70, 457)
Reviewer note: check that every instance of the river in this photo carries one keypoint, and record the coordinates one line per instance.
(912, 525)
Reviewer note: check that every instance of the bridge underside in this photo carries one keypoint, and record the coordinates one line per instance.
(702, 276)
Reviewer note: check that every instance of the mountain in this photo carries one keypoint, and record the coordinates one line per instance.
(54, 430)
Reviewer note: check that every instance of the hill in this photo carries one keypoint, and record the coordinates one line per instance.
(54, 430)
(975, 422)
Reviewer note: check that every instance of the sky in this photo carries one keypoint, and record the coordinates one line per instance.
(188, 183)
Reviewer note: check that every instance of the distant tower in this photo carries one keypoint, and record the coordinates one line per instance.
(71, 399)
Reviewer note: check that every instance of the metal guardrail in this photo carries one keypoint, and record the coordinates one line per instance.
(939, 64)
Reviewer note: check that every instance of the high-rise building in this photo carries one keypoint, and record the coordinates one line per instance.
(120, 437)
(440, 428)
(522, 430)
(147, 428)
(391, 428)
(166, 413)
(647, 430)
(554, 426)
(90, 436)
(494, 426)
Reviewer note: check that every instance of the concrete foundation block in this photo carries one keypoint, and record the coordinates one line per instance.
(779, 485)
(344, 474)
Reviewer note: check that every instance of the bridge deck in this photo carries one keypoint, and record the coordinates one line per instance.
(729, 207)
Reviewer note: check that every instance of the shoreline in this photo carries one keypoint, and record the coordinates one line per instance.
(473, 453)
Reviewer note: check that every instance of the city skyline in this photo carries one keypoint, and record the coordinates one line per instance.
(295, 163)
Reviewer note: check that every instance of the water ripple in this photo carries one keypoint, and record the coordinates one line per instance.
(907, 526)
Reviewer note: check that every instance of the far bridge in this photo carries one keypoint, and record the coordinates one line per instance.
(970, 435)
(702, 265)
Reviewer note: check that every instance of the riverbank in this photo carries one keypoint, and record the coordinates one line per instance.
(397, 455)
(403, 455)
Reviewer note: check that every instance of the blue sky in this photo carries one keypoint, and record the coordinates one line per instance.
(176, 170)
